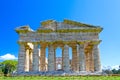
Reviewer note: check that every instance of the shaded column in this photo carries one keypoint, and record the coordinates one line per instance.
(55, 59)
(51, 63)
(78, 52)
(74, 58)
(42, 58)
(96, 54)
(82, 58)
(21, 58)
(35, 65)
(66, 64)
(87, 60)
(62, 58)
(91, 61)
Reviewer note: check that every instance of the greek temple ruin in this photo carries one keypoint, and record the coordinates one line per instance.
(82, 38)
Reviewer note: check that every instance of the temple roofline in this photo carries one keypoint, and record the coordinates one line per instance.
(49, 26)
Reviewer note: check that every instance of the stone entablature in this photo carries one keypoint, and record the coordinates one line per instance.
(82, 38)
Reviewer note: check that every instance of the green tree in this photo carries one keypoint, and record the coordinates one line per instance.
(114, 71)
(8, 66)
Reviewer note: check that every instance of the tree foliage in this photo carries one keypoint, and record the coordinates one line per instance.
(113, 71)
(8, 66)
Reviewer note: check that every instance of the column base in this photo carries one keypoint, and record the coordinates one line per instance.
(56, 73)
(98, 72)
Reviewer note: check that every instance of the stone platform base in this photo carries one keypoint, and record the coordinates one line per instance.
(56, 73)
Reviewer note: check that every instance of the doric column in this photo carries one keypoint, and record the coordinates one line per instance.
(91, 61)
(62, 57)
(51, 63)
(74, 58)
(30, 60)
(21, 58)
(55, 59)
(78, 52)
(82, 58)
(66, 64)
(87, 60)
(35, 65)
(27, 60)
(97, 63)
(42, 58)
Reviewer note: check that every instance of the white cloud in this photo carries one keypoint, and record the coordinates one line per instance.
(8, 56)
(111, 67)
(115, 67)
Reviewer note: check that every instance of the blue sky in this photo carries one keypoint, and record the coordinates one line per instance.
(104, 13)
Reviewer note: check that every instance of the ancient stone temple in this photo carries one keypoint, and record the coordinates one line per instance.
(82, 38)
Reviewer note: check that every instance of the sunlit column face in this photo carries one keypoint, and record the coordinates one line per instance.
(27, 60)
(96, 54)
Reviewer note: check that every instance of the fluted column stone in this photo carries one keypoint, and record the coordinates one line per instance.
(91, 61)
(51, 63)
(66, 65)
(27, 60)
(21, 58)
(55, 60)
(74, 58)
(30, 60)
(42, 59)
(78, 52)
(82, 58)
(35, 58)
(97, 63)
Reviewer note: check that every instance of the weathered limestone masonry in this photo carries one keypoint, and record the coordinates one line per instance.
(82, 38)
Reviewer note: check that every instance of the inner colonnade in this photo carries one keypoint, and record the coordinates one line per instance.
(83, 56)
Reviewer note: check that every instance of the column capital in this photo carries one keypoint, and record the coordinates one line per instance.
(44, 43)
(50, 43)
(74, 46)
(81, 45)
(35, 43)
(96, 42)
(66, 45)
(22, 43)
(81, 42)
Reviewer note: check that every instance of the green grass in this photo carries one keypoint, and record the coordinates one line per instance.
(61, 78)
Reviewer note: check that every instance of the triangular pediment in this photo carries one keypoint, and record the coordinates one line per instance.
(78, 24)
(66, 24)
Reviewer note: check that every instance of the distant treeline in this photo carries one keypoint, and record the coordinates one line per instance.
(113, 71)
